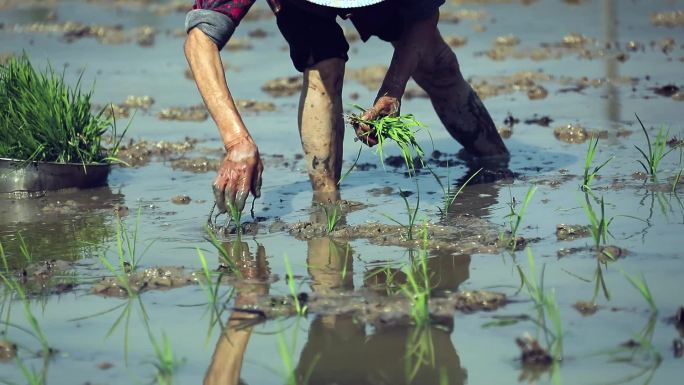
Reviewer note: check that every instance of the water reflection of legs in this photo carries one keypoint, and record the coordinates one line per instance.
(347, 354)
(230, 349)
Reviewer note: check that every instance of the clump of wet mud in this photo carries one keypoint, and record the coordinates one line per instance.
(570, 232)
(668, 19)
(370, 77)
(577, 44)
(532, 354)
(575, 134)
(153, 278)
(5, 57)
(198, 165)
(585, 308)
(47, 278)
(456, 41)
(254, 106)
(530, 83)
(285, 86)
(196, 113)
(8, 351)
(123, 110)
(468, 235)
(181, 200)
(376, 309)
(141, 152)
(238, 44)
(104, 34)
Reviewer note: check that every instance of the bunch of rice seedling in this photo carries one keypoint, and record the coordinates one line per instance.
(43, 119)
(399, 129)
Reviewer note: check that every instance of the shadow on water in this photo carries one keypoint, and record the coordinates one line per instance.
(62, 225)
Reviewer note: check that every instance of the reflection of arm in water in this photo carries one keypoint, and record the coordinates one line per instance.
(210, 24)
(230, 349)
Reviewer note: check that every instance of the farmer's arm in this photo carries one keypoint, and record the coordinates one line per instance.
(408, 51)
(208, 31)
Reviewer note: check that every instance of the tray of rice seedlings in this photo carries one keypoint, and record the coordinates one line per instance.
(49, 137)
(401, 130)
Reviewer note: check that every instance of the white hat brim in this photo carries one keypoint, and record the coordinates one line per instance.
(345, 3)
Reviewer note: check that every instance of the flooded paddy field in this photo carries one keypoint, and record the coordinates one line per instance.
(517, 290)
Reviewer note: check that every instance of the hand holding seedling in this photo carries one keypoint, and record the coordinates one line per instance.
(384, 106)
(238, 175)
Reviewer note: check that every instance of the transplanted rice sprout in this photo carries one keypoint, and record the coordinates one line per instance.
(43, 119)
(399, 129)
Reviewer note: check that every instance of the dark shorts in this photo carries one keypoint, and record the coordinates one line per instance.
(314, 35)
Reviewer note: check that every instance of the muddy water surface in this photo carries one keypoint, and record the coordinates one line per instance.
(585, 67)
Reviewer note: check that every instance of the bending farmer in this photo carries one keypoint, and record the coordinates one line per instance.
(319, 50)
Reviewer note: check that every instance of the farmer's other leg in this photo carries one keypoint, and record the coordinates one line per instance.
(319, 50)
(456, 103)
(321, 125)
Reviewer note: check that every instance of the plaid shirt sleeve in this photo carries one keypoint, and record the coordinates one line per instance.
(217, 18)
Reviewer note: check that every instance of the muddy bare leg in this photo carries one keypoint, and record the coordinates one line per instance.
(456, 103)
(321, 125)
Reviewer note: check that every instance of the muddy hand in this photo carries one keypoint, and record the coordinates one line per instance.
(238, 175)
(384, 106)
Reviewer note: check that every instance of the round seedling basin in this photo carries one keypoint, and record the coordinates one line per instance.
(18, 176)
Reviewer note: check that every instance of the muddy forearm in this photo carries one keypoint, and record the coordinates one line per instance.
(205, 62)
(408, 51)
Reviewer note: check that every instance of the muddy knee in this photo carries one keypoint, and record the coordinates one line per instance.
(325, 77)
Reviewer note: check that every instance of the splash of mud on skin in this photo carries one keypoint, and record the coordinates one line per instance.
(372, 308)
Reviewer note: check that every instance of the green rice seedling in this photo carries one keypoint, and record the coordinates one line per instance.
(31, 375)
(35, 330)
(24, 250)
(287, 353)
(236, 217)
(600, 282)
(449, 195)
(417, 288)
(590, 174)
(641, 285)
(165, 362)
(399, 129)
(411, 213)
(44, 119)
(354, 163)
(211, 290)
(300, 308)
(676, 180)
(515, 218)
(640, 353)
(126, 244)
(420, 351)
(598, 225)
(332, 217)
(655, 152)
(224, 256)
(546, 306)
